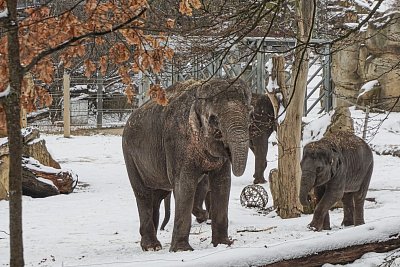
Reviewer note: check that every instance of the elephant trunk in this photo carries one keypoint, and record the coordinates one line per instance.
(307, 183)
(237, 136)
(239, 152)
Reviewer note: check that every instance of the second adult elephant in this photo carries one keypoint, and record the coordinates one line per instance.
(261, 127)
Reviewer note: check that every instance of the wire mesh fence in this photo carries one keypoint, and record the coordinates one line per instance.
(84, 112)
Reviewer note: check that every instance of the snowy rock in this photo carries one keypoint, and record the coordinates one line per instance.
(374, 56)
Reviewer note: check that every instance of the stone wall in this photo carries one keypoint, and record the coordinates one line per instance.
(370, 55)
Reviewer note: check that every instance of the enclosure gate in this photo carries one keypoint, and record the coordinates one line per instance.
(253, 69)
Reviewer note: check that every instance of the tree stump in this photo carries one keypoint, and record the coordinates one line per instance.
(42, 176)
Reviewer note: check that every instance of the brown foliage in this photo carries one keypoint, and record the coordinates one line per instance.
(42, 33)
(157, 93)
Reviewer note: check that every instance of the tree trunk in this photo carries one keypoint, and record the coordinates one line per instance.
(289, 130)
(13, 111)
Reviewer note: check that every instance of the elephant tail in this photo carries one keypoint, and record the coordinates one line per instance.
(167, 214)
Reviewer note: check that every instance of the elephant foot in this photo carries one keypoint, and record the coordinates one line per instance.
(181, 246)
(148, 245)
(226, 241)
(201, 215)
(326, 227)
(317, 227)
(259, 181)
(359, 222)
(347, 223)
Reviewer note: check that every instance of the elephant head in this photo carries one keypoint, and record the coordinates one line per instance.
(220, 115)
(319, 164)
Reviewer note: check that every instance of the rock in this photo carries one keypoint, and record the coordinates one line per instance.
(340, 121)
(382, 36)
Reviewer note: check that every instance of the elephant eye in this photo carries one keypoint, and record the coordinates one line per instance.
(213, 121)
(319, 169)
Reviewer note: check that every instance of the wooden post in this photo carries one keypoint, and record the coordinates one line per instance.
(365, 128)
(99, 100)
(67, 113)
(260, 88)
(24, 121)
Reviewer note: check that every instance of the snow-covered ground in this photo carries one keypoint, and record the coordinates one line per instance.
(98, 224)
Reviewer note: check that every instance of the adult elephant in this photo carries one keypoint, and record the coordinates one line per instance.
(261, 127)
(338, 167)
(203, 130)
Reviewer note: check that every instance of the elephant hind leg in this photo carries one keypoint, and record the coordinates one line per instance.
(144, 201)
(348, 209)
(147, 228)
(359, 198)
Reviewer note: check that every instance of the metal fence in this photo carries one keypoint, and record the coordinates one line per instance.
(89, 107)
(92, 107)
(241, 61)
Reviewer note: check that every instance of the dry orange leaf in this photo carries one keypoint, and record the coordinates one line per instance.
(157, 93)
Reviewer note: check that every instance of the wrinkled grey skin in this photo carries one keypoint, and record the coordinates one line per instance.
(202, 131)
(261, 127)
(338, 167)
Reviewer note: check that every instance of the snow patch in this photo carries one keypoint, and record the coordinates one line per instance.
(4, 13)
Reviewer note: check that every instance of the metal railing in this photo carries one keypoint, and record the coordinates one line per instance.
(252, 68)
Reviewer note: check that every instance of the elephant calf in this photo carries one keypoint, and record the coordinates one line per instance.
(338, 167)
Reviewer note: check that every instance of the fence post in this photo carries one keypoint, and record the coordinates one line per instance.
(260, 82)
(99, 100)
(67, 102)
(365, 128)
(328, 96)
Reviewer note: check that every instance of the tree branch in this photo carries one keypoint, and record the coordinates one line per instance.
(73, 40)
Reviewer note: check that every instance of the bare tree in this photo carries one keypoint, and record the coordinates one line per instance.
(32, 35)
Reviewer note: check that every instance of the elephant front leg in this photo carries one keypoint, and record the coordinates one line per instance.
(321, 213)
(220, 185)
(319, 192)
(260, 150)
(184, 194)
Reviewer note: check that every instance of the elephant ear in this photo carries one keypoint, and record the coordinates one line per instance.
(335, 162)
(194, 120)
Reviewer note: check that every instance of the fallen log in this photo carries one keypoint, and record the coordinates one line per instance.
(33, 187)
(62, 180)
(341, 255)
(42, 176)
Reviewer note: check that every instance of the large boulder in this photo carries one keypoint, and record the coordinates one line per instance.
(371, 55)
(383, 35)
